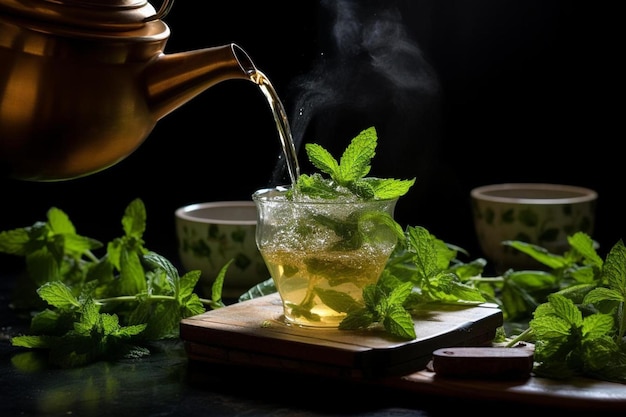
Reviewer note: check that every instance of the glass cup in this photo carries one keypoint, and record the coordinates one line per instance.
(322, 253)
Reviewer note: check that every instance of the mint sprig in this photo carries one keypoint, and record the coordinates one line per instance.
(347, 179)
(580, 330)
(384, 304)
(419, 273)
(348, 176)
(90, 308)
(93, 336)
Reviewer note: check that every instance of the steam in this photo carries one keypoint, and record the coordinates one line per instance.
(370, 71)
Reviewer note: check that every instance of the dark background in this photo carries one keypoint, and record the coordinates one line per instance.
(462, 94)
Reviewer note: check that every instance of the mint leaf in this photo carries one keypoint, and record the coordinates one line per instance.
(58, 295)
(132, 278)
(355, 161)
(59, 222)
(64, 239)
(583, 244)
(361, 318)
(348, 177)
(216, 288)
(337, 300)
(387, 188)
(134, 219)
(35, 342)
(399, 322)
(322, 159)
(539, 253)
(13, 242)
(425, 254)
(614, 272)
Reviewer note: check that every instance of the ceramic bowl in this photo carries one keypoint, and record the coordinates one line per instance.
(536, 213)
(210, 234)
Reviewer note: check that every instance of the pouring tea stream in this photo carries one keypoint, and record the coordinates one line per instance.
(83, 84)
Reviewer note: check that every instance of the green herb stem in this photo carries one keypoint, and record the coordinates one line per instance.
(524, 336)
(490, 280)
(153, 298)
(126, 298)
(89, 254)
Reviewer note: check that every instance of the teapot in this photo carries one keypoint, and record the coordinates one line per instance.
(84, 82)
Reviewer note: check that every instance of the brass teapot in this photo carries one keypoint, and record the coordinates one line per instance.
(83, 82)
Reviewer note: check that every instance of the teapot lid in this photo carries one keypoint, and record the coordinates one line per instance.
(107, 15)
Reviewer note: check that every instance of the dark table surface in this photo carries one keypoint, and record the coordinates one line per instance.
(168, 383)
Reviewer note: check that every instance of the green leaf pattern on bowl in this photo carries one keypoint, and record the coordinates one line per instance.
(218, 247)
(530, 225)
(528, 217)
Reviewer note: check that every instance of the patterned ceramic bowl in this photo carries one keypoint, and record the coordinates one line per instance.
(540, 214)
(210, 234)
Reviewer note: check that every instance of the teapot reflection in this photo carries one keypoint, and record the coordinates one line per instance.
(84, 82)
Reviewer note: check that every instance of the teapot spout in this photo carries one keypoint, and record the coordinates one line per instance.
(174, 79)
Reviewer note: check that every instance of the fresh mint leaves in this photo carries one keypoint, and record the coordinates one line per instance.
(580, 330)
(384, 304)
(93, 335)
(418, 273)
(348, 176)
(92, 308)
(347, 179)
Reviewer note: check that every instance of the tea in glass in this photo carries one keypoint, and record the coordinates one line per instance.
(322, 253)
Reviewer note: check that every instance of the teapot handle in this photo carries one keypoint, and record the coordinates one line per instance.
(165, 8)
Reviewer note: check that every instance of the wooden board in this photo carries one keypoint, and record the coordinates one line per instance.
(254, 333)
